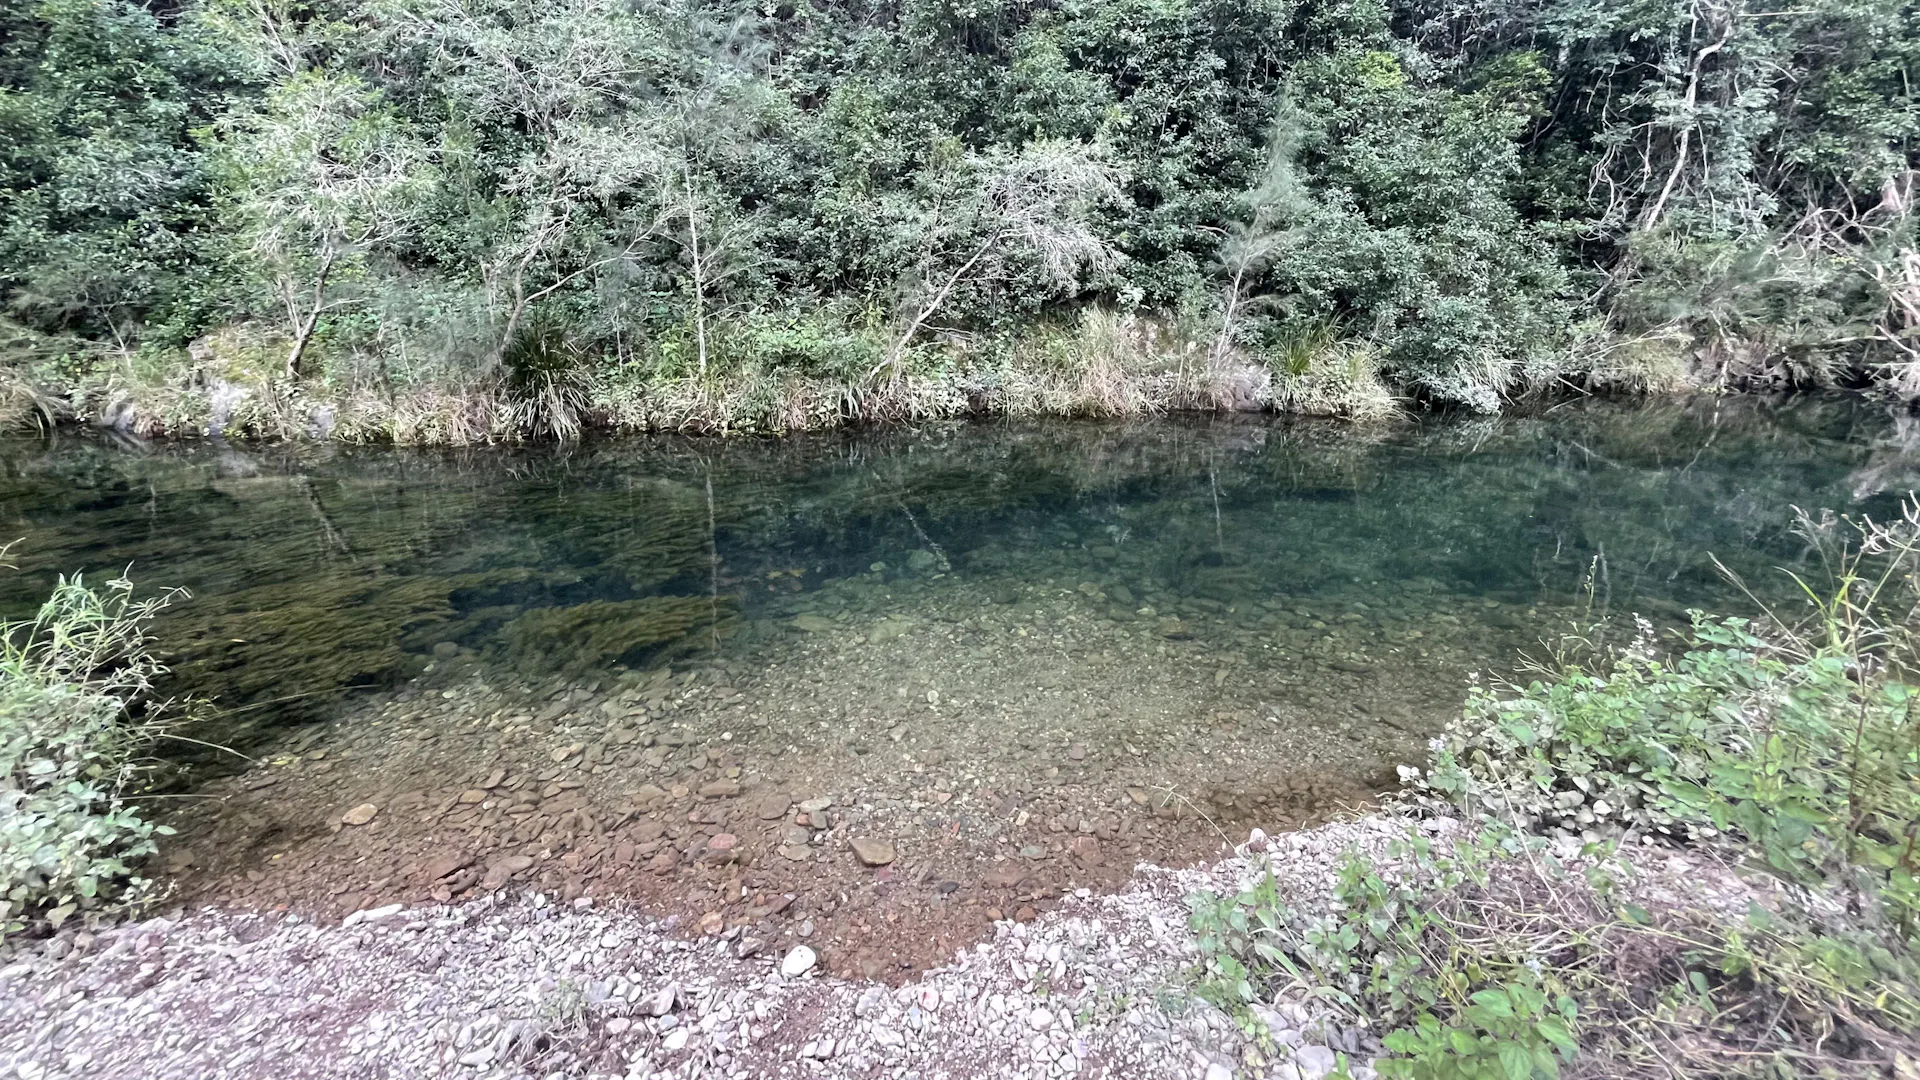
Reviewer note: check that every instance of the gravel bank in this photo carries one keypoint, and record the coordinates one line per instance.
(522, 986)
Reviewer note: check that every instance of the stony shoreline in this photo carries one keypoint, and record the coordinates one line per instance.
(523, 985)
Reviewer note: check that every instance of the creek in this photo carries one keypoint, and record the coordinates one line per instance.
(1011, 659)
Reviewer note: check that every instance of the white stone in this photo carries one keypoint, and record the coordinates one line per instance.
(373, 914)
(661, 1003)
(1040, 1019)
(798, 962)
(1314, 1062)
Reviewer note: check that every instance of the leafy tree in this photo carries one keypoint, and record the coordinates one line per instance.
(1481, 197)
(1006, 213)
(102, 183)
(327, 179)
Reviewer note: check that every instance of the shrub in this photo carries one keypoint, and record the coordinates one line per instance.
(1795, 740)
(75, 720)
(1786, 748)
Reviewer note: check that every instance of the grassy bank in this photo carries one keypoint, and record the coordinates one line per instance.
(761, 377)
(1691, 858)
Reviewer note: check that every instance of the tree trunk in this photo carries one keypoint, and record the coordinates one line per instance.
(896, 356)
(699, 273)
(304, 326)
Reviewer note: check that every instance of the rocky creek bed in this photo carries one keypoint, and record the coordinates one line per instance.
(882, 772)
(517, 983)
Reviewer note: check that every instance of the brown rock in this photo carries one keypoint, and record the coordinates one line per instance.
(1005, 876)
(503, 870)
(720, 789)
(473, 795)
(446, 865)
(774, 807)
(873, 852)
(359, 815)
(1087, 850)
(723, 842)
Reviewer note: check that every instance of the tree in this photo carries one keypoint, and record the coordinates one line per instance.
(1028, 209)
(102, 184)
(323, 179)
(1274, 207)
(578, 187)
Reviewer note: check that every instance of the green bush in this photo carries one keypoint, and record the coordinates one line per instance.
(1786, 748)
(1796, 741)
(75, 721)
(1431, 956)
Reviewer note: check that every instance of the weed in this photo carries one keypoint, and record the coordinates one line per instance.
(1785, 747)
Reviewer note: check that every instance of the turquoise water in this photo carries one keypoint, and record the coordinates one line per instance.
(316, 568)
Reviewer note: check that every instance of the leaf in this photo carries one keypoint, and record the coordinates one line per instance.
(1463, 1043)
(1515, 1061)
(1496, 1002)
(59, 915)
(1758, 917)
(1554, 1030)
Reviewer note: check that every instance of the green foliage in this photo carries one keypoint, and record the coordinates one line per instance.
(1393, 954)
(1801, 744)
(74, 722)
(1509, 1032)
(544, 380)
(1786, 746)
(1472, 200)
(102, 181)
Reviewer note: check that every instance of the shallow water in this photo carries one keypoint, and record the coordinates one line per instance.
(1023, 654)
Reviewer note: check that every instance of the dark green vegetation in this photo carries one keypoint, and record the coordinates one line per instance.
(452, 220)
(1786, 749)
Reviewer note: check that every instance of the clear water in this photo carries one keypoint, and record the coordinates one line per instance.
(345, 566)
(1056, 646)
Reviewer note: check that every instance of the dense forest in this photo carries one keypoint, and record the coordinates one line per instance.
(456, 220)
